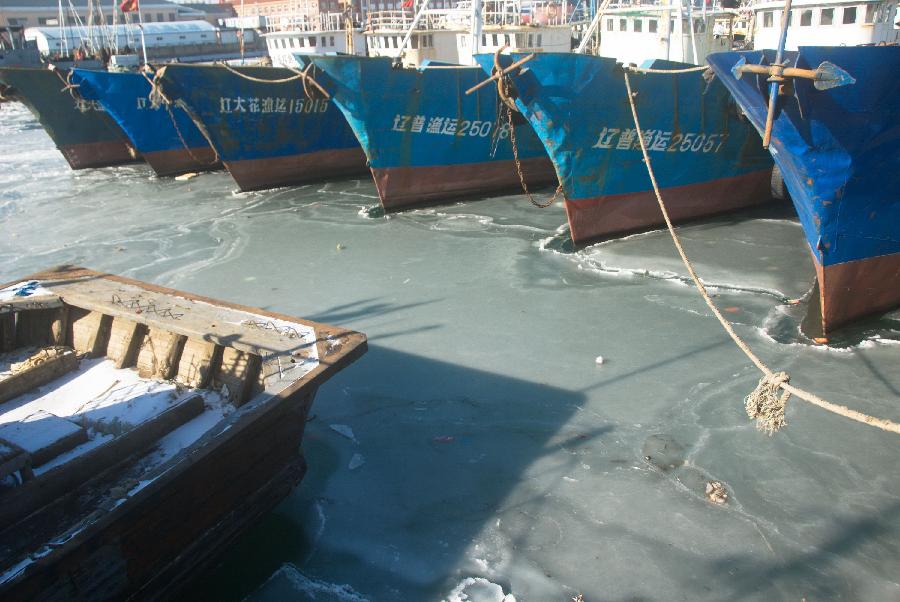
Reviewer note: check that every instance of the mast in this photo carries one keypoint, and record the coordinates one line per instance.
(691, 26)
(63, 36)
(475, 27)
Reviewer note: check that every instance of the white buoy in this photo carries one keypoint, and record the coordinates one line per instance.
(599, 360)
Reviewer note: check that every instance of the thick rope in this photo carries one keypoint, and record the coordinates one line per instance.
(301, 75)
(158, 98)
(764, 404)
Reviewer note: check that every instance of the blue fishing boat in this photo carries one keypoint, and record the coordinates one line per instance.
(267, 129)
(81, 129)
(164, 135)
(425, 139)
(707, 158)
(836, 141)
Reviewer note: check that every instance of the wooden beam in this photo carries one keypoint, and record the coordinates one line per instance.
(89, 331)
(41, 374)
(199, 359)
(17, 304)
(125, 341)
(159, 354)
(239, 372)
(43, 435)
(7, 332)
(59, 326)
(44, 488)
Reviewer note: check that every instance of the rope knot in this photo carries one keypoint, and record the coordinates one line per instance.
(766, 403)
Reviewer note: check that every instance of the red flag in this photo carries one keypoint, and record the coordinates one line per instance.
(405, 4)
(129, 6)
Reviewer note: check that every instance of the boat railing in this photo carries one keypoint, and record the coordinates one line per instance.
(287, 22)
(494, 14)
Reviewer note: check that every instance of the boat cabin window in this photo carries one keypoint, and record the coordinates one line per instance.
(638, 25)
(827, 17)
(806, 18)
(870, 13)
(312, 42)
(623, 24)
(431, 39)
(160, 17)
(767, 18)
(531, 39)
(849, 15)
(323, 41)
(484, 39)
(699, 26)
(414, 42)
(539, 39)
(609, 23)
(651, 25)
(331, 40)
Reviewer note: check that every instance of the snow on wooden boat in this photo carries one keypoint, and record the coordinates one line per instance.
(82, 131)
(143, 429)
(835, 140)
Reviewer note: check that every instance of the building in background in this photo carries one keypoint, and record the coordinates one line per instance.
(45, 13)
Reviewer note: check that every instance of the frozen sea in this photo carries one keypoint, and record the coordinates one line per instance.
(479, 452)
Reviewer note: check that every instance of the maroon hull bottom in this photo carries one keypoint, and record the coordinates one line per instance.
(272, 172)
(99, 154)
(174, 162)
(403, 187)
(854, 289)
(603, 217)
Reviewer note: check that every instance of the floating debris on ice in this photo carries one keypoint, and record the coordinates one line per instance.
(716, 492)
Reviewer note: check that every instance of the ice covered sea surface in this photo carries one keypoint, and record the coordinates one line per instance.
(478, 452)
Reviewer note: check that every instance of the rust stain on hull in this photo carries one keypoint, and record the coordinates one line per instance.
(404, 187)
(595, 219)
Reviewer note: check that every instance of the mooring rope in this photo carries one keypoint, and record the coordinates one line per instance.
(509, 104)
(158, 98)
(301, 75)
(68, 86)
(764, 403)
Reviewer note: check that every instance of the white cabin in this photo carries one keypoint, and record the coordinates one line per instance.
(635, 34)
(445, 35)
(826, 23)
(326, 33)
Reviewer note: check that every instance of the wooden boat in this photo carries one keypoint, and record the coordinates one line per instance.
(148, 430)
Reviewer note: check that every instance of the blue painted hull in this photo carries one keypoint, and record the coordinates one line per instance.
(839, 153)
(169, 142)
(707, 160)
(425, 139)
(268, 134)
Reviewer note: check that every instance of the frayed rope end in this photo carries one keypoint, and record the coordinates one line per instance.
(767, 404)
